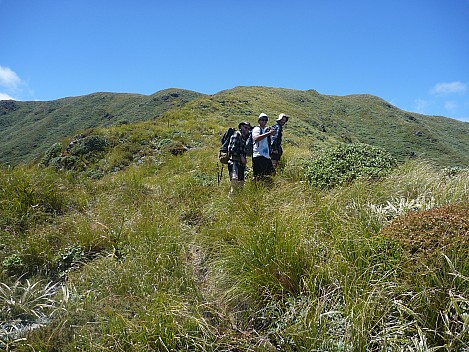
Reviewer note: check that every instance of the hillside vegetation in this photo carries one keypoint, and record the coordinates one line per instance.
(127, 242)
(27, 129)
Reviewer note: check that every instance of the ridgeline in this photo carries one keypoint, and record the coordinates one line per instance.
(28, 129)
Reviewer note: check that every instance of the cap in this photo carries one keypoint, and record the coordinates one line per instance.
(262, 115)
(246, 124)
(281, 116)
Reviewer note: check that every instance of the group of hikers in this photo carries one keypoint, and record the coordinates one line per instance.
(266, 144)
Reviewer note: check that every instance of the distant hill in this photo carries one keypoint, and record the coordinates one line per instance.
(29, 128)
(319, 120)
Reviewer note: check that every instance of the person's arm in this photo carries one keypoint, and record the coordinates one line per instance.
(274, 140)
(257, 137)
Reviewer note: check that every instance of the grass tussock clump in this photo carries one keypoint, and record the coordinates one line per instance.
(29, 196)
(155, 256)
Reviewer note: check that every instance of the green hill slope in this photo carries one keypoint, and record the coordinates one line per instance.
(319, 120)
(135, 245)
(28, 128)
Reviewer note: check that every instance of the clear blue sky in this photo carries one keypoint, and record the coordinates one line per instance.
(412, 53)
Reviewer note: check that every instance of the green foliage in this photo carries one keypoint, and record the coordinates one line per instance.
(68, 162)
(156, 256)
(454, 171)
(89, 144)
(13, 265)
(27, 199)
(53, 152)
(68, 257)
(317, 121)
(346, 162)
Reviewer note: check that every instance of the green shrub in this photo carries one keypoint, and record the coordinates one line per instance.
(13, 265)
(64, 162)
(53, 152)
(344, 163)
(89, 144)
(454, 171)
(68, 257)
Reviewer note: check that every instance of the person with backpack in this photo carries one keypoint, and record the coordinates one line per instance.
(237, 156)
(276, 150)
(261, 163)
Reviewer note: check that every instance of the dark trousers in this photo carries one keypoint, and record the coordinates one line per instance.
(262, 166)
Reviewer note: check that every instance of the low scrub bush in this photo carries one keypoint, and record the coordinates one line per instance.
(344, 163)
(425, 235)
(89, 144)
(54, 151)
(68, 162)
(434, 266)
(13, 265)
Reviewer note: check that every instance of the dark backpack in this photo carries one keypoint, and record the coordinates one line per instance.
(249, 145)
(223, 154)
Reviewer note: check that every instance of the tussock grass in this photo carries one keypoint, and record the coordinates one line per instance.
(156, 256)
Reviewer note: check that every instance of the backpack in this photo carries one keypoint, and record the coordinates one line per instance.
(249, 145)
(223, 154)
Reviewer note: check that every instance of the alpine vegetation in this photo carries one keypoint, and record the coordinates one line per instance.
(127, 239)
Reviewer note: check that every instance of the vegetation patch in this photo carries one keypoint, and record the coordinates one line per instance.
(344, 163)
(89, 144)
(425, 235)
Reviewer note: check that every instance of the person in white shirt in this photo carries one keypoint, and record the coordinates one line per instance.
(261, 163)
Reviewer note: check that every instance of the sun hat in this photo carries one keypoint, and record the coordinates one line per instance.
(262, 115)
(281, 116)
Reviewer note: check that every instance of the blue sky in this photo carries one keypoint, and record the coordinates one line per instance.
(412, 53)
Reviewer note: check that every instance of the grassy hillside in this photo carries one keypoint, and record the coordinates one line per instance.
(27, 129)
(128, 243)
(321, 120)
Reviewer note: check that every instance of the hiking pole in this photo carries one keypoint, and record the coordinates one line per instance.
(219, 174)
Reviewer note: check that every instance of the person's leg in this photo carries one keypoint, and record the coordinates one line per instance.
(256, 167)
(264, 169)
(236, 177)
(235, 186)
(275, 158)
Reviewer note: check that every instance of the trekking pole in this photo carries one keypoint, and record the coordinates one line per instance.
(219, 173)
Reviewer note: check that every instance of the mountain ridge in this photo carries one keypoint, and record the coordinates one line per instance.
(29, 128)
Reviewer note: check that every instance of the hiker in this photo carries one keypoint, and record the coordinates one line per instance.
(237, 161)
(276, 150)
(261, 163)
